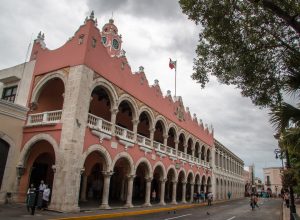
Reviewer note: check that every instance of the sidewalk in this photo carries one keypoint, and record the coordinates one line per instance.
(286, 211)
(18, 211)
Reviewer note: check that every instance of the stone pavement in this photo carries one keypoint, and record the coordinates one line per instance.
(18, 211)
(286, 211)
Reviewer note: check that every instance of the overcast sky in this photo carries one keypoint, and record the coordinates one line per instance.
(153, 31)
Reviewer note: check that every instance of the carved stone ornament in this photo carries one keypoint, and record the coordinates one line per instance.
(180, 111)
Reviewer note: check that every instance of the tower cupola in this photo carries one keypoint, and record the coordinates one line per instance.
(111, 39)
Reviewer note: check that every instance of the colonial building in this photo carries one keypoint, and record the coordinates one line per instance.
(272, 180)
(99, 134)
(228, 173)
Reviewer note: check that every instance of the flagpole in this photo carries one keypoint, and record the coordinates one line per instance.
(175, 76)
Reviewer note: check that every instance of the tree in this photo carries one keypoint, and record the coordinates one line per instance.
(252, 44)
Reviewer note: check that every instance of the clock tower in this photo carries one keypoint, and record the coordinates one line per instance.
(110, 39)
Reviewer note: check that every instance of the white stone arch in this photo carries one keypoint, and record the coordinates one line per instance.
(174, 126)
(164, 122)
(149, 114)
(205, 179)
(132, 102)
(100, 149)
(184, 172)
(39, 137)
(39, 86)
(160, 164)
(193, 176)
(208, 154)
(126, 156)
(146, 161)
(172, 167)
(111, 92)
(198, 174)
(11, 151)
(181, 131)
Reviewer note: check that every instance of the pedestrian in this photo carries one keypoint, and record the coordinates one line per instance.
(198, 197)
(252, 202)
(153, 195)
(287, 199)
(42, 187)
(46, 196)
(202, 196)
(31, 199)
(229, 194)
(209, 198)
(195, 197)
(256, 201)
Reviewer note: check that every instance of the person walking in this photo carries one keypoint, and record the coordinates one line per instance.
(209, 198)
(256, 201)
(229, 195)
(31, 199)
(252, 202)
(287, 199)
(42, 187)
(153, 196)
(46, 196)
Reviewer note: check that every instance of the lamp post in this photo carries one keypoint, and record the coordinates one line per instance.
(288, 166)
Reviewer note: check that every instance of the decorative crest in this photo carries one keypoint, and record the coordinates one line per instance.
(92, 15)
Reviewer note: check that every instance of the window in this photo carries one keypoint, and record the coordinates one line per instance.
(268, 181)
(104, 40)
(9, 93)
(80, 39)
(94, 42)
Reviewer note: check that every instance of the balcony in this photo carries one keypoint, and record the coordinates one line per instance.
(103, 129)
(44, 118)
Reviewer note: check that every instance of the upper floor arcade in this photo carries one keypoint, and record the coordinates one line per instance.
(226, 161)
(114, 113)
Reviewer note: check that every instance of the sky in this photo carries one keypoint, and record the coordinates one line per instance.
(152, 31)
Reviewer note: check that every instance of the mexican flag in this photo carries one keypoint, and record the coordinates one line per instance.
(172, 64)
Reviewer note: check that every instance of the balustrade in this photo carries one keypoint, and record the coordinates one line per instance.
(44, 118)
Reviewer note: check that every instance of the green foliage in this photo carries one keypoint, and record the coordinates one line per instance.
(251, 44)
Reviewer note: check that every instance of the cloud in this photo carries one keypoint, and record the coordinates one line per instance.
(154, 9)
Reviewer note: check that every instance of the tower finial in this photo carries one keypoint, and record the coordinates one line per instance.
(92, 15)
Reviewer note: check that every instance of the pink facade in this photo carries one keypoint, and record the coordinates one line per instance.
(96, 125)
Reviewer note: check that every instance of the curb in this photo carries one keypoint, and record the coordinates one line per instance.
(140, 212)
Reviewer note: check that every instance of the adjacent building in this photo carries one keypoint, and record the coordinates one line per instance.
(272, 180)
(78, 118)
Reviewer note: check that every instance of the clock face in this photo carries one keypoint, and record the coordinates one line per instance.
(104, 40)
(115, 44)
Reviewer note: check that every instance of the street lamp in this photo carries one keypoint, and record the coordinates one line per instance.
(288, 166)
(278, 154)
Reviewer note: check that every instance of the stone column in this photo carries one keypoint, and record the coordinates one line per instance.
(114, 111)
(162, 192)
(193, 151)
(74, 121)
(176, 145)
(148, 192)
(192, 192)
(135, 123)
(183, 192)
(165, 136)
(129, 191)
(174, 192)
(83, 190)
(105, 194)
(198, 188)
(152, 130)
(185, 146)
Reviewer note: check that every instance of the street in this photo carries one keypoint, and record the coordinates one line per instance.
(270, 209)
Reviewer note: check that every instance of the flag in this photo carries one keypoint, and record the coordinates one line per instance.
(172, 64)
